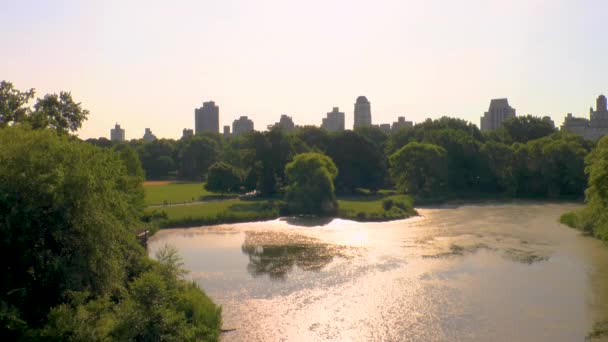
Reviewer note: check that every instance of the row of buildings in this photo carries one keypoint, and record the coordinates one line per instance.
(206, 119)
(592, 128)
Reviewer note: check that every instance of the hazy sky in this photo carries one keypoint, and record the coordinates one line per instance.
(150, 63)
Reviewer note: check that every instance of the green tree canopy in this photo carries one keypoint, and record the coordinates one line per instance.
(310, 187)
(420, 169)
(196, 155)
(223, 178)
(361, 162)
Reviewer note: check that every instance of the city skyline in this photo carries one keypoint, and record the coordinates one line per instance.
(414, 59)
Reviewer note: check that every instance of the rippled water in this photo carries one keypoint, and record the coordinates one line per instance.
(493, 272)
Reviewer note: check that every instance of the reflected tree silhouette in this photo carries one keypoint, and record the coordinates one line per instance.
(276, 253)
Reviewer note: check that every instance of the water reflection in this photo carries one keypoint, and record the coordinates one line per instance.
(276, 253)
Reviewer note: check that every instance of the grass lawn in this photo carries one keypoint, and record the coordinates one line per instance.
(216, 212)
(375, 207)
(174, 192)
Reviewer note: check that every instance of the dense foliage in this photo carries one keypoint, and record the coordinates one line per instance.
(310, 190)
(525, 158)
(594, 217)
(71, 265)
(58, 112)
(223, 178)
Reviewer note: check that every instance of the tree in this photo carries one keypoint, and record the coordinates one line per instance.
(362, 163)
(58, 112)
(67, 219)
(420, 169)
(73, 270)
(223, 178)
(526, 128)
(196, 155)
(13, 104)
(310, 187)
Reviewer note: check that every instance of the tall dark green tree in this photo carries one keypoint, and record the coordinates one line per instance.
(361, 162)
(196, 154)
(223, 178)
(420, 169)
(310, 187)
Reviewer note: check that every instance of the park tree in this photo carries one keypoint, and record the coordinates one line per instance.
(58, 112)
(420, 169)
(223, 178)
(69, 214)
(362, 163)
(315, 138)
(13, 104)
(157, 158)
(310, 189)
(525, 128)
(67, 221)
(196, 154)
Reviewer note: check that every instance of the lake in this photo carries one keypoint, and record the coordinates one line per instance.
(477, 272)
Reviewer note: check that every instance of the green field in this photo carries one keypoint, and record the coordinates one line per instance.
(215, 212)
(371, 208)
(362, 207)
(170, 193)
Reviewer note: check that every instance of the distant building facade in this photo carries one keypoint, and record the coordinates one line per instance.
(226, 131)
(148, 136)
(334, 122)
(117, 133)
(498, 112)
(363, 112)
(187, 132)
(386, 128)
(242, 125)
(401, 123)
(207, 118)
(593, 128)
(285, 123)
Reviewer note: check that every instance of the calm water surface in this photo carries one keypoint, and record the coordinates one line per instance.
(493, 272)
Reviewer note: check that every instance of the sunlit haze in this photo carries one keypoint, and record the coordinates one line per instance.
(150, 63)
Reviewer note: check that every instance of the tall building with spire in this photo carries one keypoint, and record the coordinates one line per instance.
(117, 133)
(363, 112)
(498, 112)
(207, 118)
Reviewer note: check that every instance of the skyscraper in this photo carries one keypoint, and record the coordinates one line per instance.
(285, 123)
(401, 123)
(241, 126)
(498, 112)
(117, 133)
(187, 132)
(148, 135)
(334, 121)
(363, 112)
(207, 118)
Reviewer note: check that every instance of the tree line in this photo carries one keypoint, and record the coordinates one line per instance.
(72, 268)
(527, 157)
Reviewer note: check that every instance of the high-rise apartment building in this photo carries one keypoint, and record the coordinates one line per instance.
(242, 125)
(498, 112)
(117, 133)
(363, 112)
(401, 124)
(207, 118)
(148, 136)
(187, 132)
(593, 128)
(285, 123)
(334, 121)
